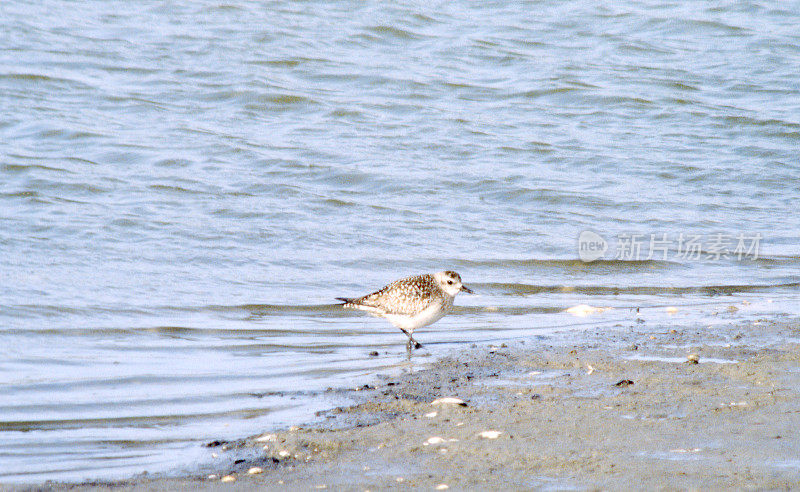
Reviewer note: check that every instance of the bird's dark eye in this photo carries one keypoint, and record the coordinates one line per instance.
(449, 282)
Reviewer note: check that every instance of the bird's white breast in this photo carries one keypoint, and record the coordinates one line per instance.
(430, 314)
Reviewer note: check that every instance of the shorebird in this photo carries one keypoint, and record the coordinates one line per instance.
(412, 302)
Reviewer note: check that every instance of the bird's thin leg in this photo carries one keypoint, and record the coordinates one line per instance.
(411, 341)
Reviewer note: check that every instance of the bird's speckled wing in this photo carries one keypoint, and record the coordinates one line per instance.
(406, 296)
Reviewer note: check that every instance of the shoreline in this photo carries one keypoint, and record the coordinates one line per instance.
(594, 410)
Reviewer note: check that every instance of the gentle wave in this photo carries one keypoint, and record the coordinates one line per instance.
(567, 264)
(707, 290)
(334, 310)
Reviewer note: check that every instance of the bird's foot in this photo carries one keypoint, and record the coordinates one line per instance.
(413, 344)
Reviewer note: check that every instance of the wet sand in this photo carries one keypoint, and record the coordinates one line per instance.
(590, 410)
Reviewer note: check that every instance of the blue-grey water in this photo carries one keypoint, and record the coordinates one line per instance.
(186, 186)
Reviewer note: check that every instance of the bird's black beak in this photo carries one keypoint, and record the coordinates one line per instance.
(466, 289)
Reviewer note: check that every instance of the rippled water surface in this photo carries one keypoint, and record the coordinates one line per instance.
(186, 186)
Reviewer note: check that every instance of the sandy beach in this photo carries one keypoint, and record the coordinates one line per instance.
(636, 408)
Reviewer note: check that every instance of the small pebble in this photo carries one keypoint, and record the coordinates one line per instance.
(734, 404)
(442, 486)
(266, 437)
(374, 353)
(434, 440)
(228, 478)
(213, 477)
(255, 470)
(431, 415)
(623, 383)
(283, 453)
(490, 434)
(692, 359)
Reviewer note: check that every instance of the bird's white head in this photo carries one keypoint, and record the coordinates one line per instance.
(450, 282)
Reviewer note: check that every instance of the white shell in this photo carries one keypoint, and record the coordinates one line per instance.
(449, 401)
(490, 434)
(583, 310)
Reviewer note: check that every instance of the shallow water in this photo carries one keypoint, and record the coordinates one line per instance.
(185, 188)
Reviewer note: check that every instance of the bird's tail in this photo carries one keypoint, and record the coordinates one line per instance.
(344, 300)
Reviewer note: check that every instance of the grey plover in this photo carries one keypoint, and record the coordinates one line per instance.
(412, 302)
